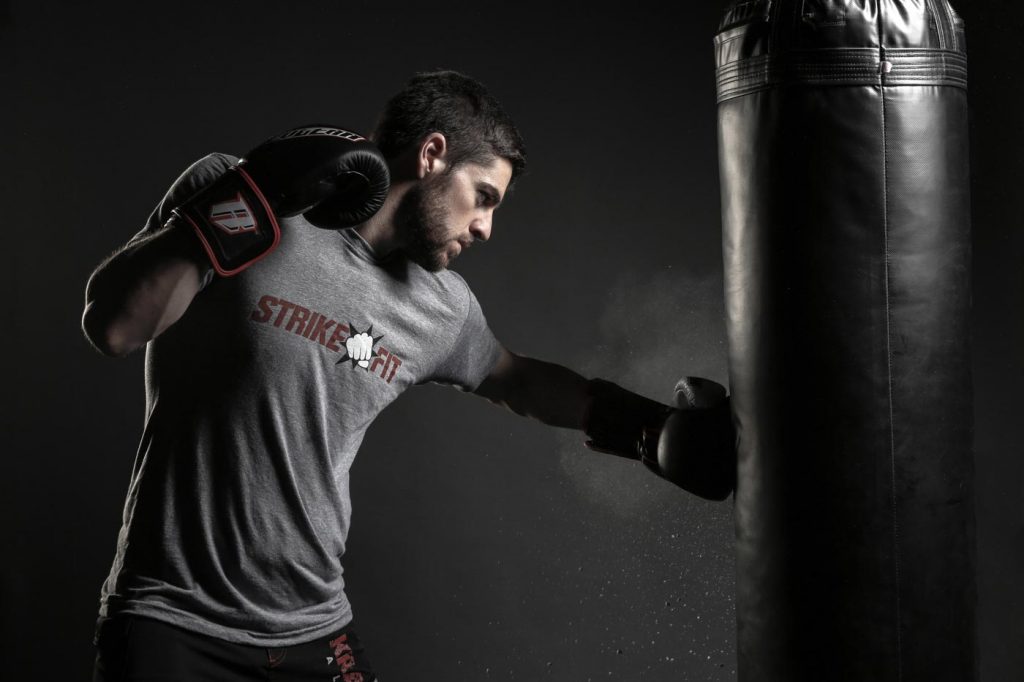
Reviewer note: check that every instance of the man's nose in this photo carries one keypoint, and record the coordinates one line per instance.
(481, 229)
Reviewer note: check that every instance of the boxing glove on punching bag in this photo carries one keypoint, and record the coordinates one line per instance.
(844, 166)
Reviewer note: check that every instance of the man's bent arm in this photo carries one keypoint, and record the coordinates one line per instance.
(551, 393)
(140, 291)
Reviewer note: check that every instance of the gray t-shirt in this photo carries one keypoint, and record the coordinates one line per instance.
(238, 508)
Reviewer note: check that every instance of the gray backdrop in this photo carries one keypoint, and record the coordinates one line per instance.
(484, 546)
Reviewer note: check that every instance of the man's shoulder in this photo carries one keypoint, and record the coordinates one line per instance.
(447, 283)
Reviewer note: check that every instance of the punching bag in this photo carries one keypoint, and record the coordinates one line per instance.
(844, 169)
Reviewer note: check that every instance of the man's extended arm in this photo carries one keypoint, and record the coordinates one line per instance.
(551, 393)
(692, 445)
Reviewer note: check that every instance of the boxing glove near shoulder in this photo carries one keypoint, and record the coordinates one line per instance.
(333, 176)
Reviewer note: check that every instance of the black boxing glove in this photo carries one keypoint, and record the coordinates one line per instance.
(696, 447)
(333, 176)
(620, 422)
(692, 446)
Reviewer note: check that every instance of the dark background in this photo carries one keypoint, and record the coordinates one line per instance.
(484, 546)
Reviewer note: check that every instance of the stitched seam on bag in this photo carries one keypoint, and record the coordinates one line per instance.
(952, 26)
(763, 72)
(888, 357)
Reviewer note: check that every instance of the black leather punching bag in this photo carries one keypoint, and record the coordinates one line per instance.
(844, 166)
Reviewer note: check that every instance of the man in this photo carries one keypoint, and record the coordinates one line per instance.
(266, 363)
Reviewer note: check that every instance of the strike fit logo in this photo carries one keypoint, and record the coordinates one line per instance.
(314, 131)
(361, 349)
(233, 216)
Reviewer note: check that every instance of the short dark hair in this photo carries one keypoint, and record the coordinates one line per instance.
(475, 125)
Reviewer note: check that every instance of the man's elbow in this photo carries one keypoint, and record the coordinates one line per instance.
(105, 334)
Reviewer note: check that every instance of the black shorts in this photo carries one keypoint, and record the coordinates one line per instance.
(130, 649)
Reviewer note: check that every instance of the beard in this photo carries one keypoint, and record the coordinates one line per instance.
(421, 219)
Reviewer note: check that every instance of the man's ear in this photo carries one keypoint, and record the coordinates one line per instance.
(433, 155)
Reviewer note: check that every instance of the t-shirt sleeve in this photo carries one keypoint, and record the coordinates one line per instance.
(197, 176)
(474, 352)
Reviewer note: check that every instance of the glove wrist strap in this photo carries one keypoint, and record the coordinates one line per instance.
(233, 221)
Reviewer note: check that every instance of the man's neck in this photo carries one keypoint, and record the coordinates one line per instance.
(379, 231)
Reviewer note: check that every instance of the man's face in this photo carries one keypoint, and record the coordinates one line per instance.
(447, 211)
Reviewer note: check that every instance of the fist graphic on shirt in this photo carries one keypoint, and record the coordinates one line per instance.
(360, 348)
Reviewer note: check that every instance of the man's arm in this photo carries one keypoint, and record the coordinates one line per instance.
(693, 447)
(141, 290)
(551, 393)
(218, 214)
(146, 286)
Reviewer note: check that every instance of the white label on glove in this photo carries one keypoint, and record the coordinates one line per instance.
(233, 216)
